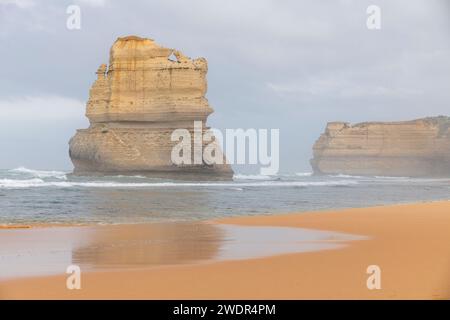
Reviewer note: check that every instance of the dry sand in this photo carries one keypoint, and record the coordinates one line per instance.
(410, 243)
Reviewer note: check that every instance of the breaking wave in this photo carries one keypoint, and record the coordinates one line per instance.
(251, 177)
(40, 173)
(36, 182)
(347, 176)
(304, 174)
(274, 177)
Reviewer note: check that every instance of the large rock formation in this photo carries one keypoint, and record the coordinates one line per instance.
(136, 102)
(410, 148)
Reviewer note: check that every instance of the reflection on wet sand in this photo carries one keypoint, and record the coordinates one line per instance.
(147, 245)
(44, 251)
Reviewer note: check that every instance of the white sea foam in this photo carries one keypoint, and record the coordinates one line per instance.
(398, 179)
(347, 176)
(251, 177)
(392, 178)
(27, 183)
(36, 182)
(40, 173)
(124, 176)
(303, 174)
(238, 176)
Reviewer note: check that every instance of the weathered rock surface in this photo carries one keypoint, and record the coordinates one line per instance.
(136, 102)
(410, 148)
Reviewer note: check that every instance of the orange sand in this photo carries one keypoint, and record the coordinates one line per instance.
(410, 243)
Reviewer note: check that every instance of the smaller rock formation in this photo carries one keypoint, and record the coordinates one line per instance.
(136, 103)
(417, 148)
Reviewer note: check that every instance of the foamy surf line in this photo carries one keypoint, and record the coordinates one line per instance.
(239, 176)
(36, 183)
(39, 173)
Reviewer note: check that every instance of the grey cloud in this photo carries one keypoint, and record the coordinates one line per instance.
(292, 65)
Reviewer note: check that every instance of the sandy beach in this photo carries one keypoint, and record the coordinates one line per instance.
(410, 243)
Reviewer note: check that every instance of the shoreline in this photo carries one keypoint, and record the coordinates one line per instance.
(31, 226)
(410, 243)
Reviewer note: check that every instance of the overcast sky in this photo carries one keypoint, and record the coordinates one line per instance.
(292, 65)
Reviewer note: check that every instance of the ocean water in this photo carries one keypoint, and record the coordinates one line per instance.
(30, 196)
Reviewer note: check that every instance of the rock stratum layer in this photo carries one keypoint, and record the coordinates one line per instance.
(136, 102)
(410, 148)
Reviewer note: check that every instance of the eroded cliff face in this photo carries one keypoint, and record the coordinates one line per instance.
(410, 148)
(136, 102)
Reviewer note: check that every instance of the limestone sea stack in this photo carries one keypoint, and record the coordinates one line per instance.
(417, 148)
(138, 100)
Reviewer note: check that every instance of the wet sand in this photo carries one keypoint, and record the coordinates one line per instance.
(48, 251)
(410, 243)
